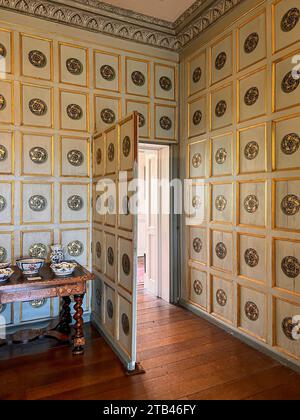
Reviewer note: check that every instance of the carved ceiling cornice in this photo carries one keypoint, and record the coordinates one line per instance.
(97, 16)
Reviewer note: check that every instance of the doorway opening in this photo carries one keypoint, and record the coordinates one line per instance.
(154, 221)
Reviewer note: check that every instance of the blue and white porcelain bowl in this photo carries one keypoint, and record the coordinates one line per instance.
(5, 274)
(63, 269)
(30, 266)
(4, 265)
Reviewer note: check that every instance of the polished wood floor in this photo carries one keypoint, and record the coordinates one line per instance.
(184, 357)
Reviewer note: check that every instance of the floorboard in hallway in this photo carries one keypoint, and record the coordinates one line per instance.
(185, 357)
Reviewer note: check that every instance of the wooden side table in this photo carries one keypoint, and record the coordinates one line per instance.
(20, 289)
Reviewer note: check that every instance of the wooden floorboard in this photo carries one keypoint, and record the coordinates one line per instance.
(185, 357)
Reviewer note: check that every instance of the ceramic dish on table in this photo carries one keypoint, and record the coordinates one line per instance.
(5, 274)
(63, 269)
(30, 266)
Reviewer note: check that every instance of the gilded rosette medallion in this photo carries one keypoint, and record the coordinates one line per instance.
(251, 150)
(251, 96)
(198, 288)
(2, 203)
(290, 19)
(196, 160)
(251, 42)
(38, 107)
(197, 74)
(38, 251)
(37, 203)
(38, 155)
(221, 250)
(220, 60)
(251, 203)
(75, 157)
(110, 256)
(138, 78)
(165, 83)
(75, 203)
(37, 59)
(251, 257)
(290, 205)
(126, 146)
(74, 66)
(290, 144)
(252, 311)
(291, 267)
(221, 297)
(125, 324)
(197, 245)
(108, 73)
(165, 123)
(75, 248)
(108, 116)
(126, 264)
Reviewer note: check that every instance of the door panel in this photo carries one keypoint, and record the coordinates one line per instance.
(115, 238)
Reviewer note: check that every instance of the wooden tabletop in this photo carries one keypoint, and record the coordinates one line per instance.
(19, 282)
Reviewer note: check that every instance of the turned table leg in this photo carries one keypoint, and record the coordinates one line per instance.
(78, 337)
(65, 317)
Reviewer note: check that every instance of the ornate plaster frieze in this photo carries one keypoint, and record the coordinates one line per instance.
(97, 16)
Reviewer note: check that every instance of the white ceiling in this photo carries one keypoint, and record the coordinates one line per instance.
(168, 10)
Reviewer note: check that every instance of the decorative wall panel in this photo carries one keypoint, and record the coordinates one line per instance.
(197, 116)
(74, 65)
(6, 51)
(36, 106)
(36, 57)
(197, 74)
(253, 175)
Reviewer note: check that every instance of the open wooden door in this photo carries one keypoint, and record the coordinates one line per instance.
(114, 243)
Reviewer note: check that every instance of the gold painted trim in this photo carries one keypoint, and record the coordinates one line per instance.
(274, 77)
(23, 154)
(175, 81)
(174, 107)
(88, 164)
(12, 202)
(87, 69)
(12, 102)
(238, 151)
(87, 111)
(190, 59)
(229, 133)
(239, 69)
(22, 183)
(230, 84)
(211, 232)
(95, 70)
(274, 49)
(238, 103)
(238, 255)
(190, 103)
(238, 208)
(274, 138)
(12, 163)
(215, 221)
(12, 52)
(227, 35)
(139, 60)
(88, 243)
(50, 42)
(50, 90)
(274, 199)
(190, 289)
(88, 204)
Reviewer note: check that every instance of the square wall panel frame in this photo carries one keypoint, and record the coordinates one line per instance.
(51, 100)
(259, 70)
(211, 110)
(168, 66)
(223, 279)
(227, 35)
(66, 44)
(50, 41)
(190, 103)
(220, 222)
(12, 102)
(88, 243)
(274, 154)
(255, 181)
(166, 139)
(263, 293)
(274, 48)
(238, 159)
(203, 271)
(274, 198)
(12, 55)
(12, 202)
(274, 277)
(79, 184)
(52, 202)
(12, 162)
(226, 133)
(88, 157)
(52, 154)
(119, 58)
(207, 145)
(87, 127)
(139, 60)
(239, 68)
(192, 58)
(238, 250)
(210, 257)
(274, 74)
